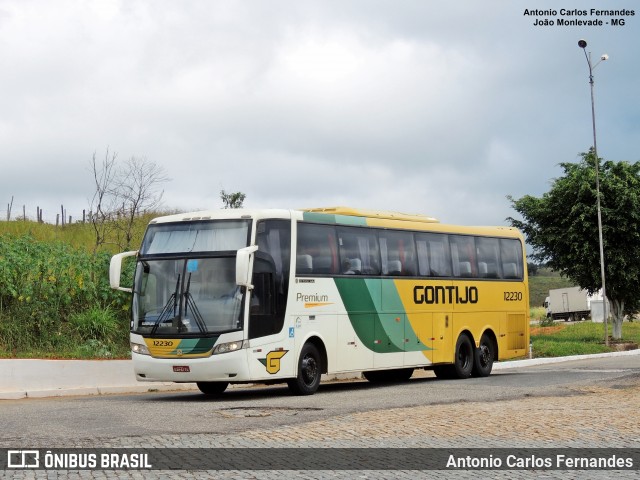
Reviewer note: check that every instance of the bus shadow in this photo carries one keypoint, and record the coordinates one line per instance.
(261, 391)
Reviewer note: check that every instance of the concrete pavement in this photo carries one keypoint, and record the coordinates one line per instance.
(33, 378)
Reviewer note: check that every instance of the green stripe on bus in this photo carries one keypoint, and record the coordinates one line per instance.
(192, 346)
(380, 331)
(365, 317)
(393, 303)
(330, 218)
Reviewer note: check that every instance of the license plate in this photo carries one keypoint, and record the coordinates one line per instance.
(181, 368)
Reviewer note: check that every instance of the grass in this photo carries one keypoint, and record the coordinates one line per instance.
(537, 313)
(563, 339)
(80, 235)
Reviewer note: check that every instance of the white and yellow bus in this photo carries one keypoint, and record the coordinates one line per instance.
(234, 296)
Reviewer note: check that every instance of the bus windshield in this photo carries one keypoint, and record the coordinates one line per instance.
(201, 236)
(186, 296)
(185, 281)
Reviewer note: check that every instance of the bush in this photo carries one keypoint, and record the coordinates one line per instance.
(99, 324)
(53, 297)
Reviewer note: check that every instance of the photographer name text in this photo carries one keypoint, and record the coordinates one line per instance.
(576, 17)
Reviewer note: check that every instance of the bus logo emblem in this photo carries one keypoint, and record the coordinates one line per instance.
(272, 362)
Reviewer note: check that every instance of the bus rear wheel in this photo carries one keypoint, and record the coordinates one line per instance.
(483, 357)
(462, 366)
(463, 362)
(212, 388)
(309, 371)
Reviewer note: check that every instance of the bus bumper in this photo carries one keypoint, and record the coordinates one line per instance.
(225, 367)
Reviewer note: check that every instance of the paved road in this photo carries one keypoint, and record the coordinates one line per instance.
(585, 403)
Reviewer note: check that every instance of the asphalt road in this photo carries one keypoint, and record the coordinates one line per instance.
(161, 419)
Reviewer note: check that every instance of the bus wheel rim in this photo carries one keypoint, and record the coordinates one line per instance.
(485, 355)
(309, 370)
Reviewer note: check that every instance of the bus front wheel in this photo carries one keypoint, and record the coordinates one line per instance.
(212, 388)
(309, 371)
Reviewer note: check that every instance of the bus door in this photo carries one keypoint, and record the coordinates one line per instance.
(442, 339)
(267, 334)
(429, 317)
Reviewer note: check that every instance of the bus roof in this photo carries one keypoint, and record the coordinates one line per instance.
(381, 214)
(343, 216)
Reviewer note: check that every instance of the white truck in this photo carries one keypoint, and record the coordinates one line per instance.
(571, 303)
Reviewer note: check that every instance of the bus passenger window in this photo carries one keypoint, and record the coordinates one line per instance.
(463, 256)
(434, 254)
(488, 257)
(317, 250)
(511, 255)
(359, 247)
(398, 253)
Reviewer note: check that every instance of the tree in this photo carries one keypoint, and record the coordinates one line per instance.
(232, 200)
(122, 192)
(562, 228)
(136, 187)
(103, 202)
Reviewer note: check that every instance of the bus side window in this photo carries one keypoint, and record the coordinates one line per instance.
(434, 254)
(463, 256)
(511, 256)
(488, 257)
(398, 254)
(359, 253)
(317, 250)
(423, 258)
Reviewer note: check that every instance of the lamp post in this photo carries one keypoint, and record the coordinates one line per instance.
(583, 44)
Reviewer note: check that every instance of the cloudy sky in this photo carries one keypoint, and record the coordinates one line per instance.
(427, 106)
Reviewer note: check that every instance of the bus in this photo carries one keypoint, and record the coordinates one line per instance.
(274, 296)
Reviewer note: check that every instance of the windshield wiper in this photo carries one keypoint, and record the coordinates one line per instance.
(189, 302)
(166, 310)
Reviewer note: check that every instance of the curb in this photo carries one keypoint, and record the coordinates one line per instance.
(33, 378)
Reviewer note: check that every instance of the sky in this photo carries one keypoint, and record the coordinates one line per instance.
(437, 107)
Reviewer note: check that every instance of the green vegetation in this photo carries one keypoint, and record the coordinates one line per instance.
(55, 298)
(538, 313)
(582, 338)
(560, 227)
(543, 281)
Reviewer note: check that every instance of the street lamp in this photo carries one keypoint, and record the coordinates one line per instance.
(583, 45)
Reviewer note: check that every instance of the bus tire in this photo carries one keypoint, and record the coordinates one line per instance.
(483, 357)
(463, 361)
(212, 388)
(309, 371)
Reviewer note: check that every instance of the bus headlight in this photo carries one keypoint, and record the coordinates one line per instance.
(228, 347)
(140, 349)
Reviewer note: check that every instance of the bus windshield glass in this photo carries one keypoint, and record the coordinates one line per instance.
(185, 281)
(190, 296)
(201, 236)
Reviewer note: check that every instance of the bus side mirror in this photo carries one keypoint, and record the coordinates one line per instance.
(243, 266)
(115, 268)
